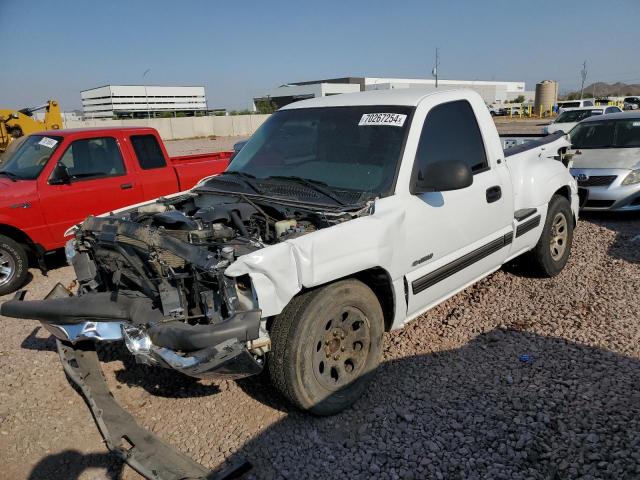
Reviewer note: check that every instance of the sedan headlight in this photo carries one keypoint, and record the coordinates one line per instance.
(632, 178)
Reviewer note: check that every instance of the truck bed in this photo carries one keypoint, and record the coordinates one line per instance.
(521, 142)
(192, 168)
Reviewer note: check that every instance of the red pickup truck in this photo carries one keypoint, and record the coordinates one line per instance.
(55, 179)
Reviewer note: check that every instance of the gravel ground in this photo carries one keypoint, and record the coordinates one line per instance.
(452, 398)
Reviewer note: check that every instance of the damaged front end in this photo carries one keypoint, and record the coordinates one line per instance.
(154, 276)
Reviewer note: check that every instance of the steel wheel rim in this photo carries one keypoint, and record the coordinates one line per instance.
(7, 267)
(559, 236)
(341, 348)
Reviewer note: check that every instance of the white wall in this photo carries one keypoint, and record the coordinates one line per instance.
(185, 127)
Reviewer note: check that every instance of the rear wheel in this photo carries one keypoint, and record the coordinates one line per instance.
(552, 251)
(13, 265)
(326, 345)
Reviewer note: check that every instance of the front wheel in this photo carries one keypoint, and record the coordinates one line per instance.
(326, 345)
(13, 265)
(552, 251)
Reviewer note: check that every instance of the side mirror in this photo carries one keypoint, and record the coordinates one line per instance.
(60, 175)
(443, 176)
(237, 147)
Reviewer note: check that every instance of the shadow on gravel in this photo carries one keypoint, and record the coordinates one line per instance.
(33, 341)
(157, 381)
(481, 411)
(627, 227)
(71, 464)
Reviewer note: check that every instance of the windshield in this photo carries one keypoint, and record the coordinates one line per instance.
(345, 148)
(607, 134)
(28, 160)
(576, 115)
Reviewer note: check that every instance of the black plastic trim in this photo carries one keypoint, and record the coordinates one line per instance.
(460, 264)
(523, 213)
(527, 226)
(139, 448)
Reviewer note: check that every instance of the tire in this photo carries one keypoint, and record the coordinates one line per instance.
(13, 265)
(326, 345)
(552, 251)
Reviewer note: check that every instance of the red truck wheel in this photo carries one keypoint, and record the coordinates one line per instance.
(13, 265)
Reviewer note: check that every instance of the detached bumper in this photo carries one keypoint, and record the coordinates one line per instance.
(139, 448)
(201, 351)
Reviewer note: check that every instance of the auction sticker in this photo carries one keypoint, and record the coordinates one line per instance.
(383, 119)
(48, 142)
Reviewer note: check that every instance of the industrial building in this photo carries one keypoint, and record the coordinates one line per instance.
(142, 101)
(491, 91)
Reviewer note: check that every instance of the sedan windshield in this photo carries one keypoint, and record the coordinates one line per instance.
(576, 115)
(607, 134)
(28, 160)
(344, 149)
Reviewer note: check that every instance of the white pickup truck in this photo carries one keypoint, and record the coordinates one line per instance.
(342, 217)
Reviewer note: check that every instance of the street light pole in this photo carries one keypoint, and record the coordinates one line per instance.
(434, 72)
(583, 75)
(146, 96)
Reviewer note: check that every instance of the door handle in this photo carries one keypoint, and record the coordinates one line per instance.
(494, 194)
(126, 186)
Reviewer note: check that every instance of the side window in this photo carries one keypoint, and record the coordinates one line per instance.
(451, 132)
(93, 158)
(612, 110)
(148, 151)
(588, 103)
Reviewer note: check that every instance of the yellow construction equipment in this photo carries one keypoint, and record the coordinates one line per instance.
(16, 123)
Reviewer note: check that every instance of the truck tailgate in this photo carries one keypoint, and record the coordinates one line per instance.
(191, 168)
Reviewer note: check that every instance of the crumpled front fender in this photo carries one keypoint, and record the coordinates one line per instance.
(280, 271)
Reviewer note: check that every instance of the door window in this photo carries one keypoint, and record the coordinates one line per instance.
(148, 151)
(93, 158)
(451, 132)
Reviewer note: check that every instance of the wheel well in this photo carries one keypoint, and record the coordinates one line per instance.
(566, 193)
(378, 280)
(15, 234)
(20, 237)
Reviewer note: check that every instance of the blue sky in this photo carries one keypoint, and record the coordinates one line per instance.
(54, 49)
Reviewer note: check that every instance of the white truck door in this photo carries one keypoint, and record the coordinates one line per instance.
(455, 237)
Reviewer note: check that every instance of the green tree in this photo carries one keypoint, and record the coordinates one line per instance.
(266, 105)
(518, 99)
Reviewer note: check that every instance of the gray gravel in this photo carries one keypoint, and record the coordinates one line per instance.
(454, 397)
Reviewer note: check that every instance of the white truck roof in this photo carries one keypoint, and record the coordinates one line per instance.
(404, 96)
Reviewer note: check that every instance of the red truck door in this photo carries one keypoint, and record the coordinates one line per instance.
(159, 176)
(99, 182)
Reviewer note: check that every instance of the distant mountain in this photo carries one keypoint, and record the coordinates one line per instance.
(601, 89)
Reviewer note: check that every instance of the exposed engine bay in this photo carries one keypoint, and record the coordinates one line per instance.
(154, 276)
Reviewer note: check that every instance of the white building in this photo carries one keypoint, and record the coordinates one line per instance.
(138, 101)
(491, 91)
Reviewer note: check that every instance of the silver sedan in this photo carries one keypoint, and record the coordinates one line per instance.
(606, 161)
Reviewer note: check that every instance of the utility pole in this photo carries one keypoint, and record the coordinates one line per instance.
(583, 75)
(434, 72)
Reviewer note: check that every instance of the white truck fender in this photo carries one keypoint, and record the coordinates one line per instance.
(278, 272)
